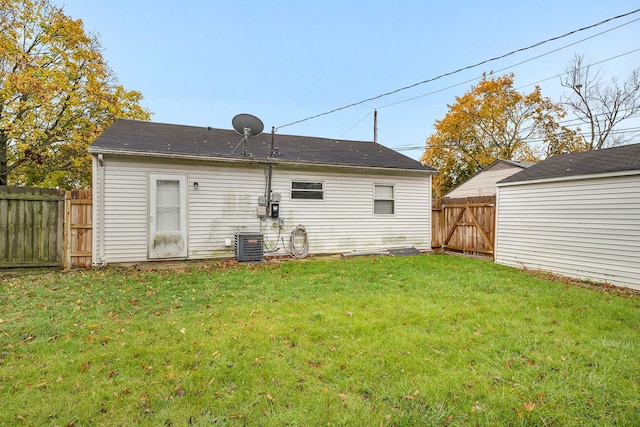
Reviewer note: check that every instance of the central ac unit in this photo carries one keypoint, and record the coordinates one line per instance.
(249, 247)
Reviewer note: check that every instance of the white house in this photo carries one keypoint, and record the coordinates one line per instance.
(484, 182)
(164, 191)
(576, 215)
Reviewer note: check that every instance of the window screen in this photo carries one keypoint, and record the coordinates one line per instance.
(307, 190)
(383, 200)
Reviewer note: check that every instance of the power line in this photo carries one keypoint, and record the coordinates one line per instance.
(533, 140)
(586, 66)
(528, 84)
(459, 70)
(519, 63)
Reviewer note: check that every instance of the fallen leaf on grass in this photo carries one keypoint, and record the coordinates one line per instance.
(528, 406)
(477, 408)
(315, 364)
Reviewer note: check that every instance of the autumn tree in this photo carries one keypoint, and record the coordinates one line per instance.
(600, 106)
(56, 95)
(494, 121)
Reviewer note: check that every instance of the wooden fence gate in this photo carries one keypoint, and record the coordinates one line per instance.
(466, 225)
(45, 228)
(31, 227)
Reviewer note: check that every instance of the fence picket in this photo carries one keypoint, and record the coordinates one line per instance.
(466, 225)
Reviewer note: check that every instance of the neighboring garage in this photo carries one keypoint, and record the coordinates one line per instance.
(576, 215)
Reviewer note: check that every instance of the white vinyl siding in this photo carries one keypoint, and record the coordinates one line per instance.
(484, 182)
(584, 228)
(226, 199)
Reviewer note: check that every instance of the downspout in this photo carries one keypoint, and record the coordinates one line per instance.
(101, 259)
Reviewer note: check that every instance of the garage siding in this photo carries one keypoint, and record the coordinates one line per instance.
(587, 228)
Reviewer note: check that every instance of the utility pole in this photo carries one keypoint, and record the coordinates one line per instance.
(375, 125)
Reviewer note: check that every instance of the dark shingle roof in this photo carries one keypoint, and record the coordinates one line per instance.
(148, 138)
(519, 163)
(616, 159)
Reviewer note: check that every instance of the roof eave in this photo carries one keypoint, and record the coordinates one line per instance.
(253, 160)
(570, 178)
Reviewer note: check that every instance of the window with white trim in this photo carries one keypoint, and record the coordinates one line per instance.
(383, 200)
(307, 190)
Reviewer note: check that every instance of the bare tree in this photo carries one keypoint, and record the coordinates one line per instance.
(600, 106)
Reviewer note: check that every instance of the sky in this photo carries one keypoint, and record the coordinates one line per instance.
(201, 62)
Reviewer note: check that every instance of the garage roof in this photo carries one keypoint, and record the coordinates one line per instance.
(608, 160)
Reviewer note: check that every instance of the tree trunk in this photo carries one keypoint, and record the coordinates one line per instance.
(4, 170)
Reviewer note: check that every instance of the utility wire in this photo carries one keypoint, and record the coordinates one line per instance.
(458, 70)
(622, 131)
(522, 86)
(586, 66)
(515, 65)
(355, 124)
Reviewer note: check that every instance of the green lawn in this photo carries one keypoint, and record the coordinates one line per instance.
(421, 340)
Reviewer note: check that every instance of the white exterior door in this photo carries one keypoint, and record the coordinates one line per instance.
(167, 216)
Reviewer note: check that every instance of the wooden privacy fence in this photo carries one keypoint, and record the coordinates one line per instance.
(45, 228)
(466, 225)
(31, 227)
(78, 229)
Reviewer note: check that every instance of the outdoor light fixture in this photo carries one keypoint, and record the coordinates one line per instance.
(195, 185)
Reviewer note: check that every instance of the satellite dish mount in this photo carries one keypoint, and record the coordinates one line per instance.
(247, 126)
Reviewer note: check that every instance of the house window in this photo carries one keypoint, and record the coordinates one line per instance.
(383, 202)
(307, 190)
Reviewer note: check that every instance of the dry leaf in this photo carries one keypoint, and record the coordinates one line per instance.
(529, 406)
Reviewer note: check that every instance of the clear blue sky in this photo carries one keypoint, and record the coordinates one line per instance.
(201, 62)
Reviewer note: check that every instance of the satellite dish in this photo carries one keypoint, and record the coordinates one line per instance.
(247, 125)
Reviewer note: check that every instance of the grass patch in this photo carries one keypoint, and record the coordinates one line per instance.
(423, 340)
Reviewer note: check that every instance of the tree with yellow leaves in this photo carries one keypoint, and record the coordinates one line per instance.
(494, 121)
(56, 95)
